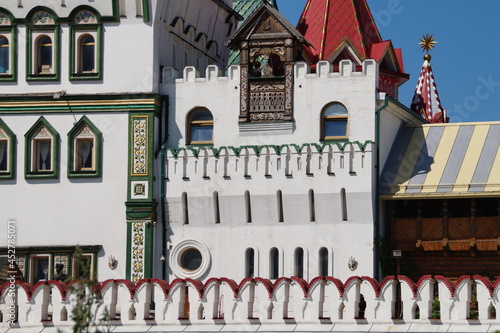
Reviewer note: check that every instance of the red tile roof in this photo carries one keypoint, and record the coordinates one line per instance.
(326, 24)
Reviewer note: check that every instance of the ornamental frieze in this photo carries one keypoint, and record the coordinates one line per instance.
(266, 116)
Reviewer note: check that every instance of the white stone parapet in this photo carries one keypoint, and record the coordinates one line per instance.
(256, 304)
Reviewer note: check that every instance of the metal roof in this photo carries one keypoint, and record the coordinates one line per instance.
(454, 159)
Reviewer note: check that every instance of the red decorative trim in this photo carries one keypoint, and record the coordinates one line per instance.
(174, 283)
(337, 283)
(377, 287)
(139, 283)
(27, 287)
(351, 280)
(423, 279)
(129, 285)
(37, 286)
(486, 283)
(302, 283)
(447, 283)
(163, 286)
(267, 284)
(315, 281)
(410, 283)
(61, 286)
(232, 284)
(197, 285)
(243, 283)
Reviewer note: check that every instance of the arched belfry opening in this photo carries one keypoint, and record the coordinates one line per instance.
(268, 46)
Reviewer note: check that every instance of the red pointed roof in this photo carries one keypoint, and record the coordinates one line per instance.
(327, 24)
(426, 98)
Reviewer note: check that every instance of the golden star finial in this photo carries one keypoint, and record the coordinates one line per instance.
(427, 43)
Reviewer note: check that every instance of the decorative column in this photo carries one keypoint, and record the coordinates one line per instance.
(140, 205)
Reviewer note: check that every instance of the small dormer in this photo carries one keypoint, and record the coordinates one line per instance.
(268, 46)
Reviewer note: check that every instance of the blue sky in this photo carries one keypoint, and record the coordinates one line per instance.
(466, 61)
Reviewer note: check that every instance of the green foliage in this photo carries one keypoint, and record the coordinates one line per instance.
(86, 303)
(436, 309)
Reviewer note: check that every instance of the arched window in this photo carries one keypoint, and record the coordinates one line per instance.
(334, 122)
(274, 261)
(201, 127)
(323, 261)
(44, 54)
(86, 54)
(249, 263)
(4, 55)
(299, 262)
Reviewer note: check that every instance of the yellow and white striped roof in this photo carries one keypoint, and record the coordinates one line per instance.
(455, 159)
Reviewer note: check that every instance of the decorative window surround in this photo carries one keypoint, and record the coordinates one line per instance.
(42, 39)
(42, 151)
(7, 152)
(26, 258)
(86, 47)
(8, 47)
(84, 150)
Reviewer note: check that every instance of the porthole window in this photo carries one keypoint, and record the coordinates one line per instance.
(190, 259)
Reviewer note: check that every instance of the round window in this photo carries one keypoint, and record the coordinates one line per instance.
(191, 259)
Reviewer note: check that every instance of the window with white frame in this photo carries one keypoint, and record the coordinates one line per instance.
(84, 150)
(7, 152)
(86, 55)
(42, 151)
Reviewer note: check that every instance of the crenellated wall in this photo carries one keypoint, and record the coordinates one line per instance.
(230, 199)
(323, 304)
(356, 90)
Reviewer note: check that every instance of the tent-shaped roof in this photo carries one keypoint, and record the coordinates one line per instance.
(326, 23)
(346, 29)
(426, 100)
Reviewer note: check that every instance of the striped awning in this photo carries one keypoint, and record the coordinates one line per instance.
(454, 159)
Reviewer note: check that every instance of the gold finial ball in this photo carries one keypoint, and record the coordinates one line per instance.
(427, 57)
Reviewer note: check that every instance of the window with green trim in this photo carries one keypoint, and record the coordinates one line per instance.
(84, 150)
(4, 55)
(200, 127)
(85, 48)
(42, 151)
(7, 152)
(334, 122)
(7, 48)
(43, 47)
